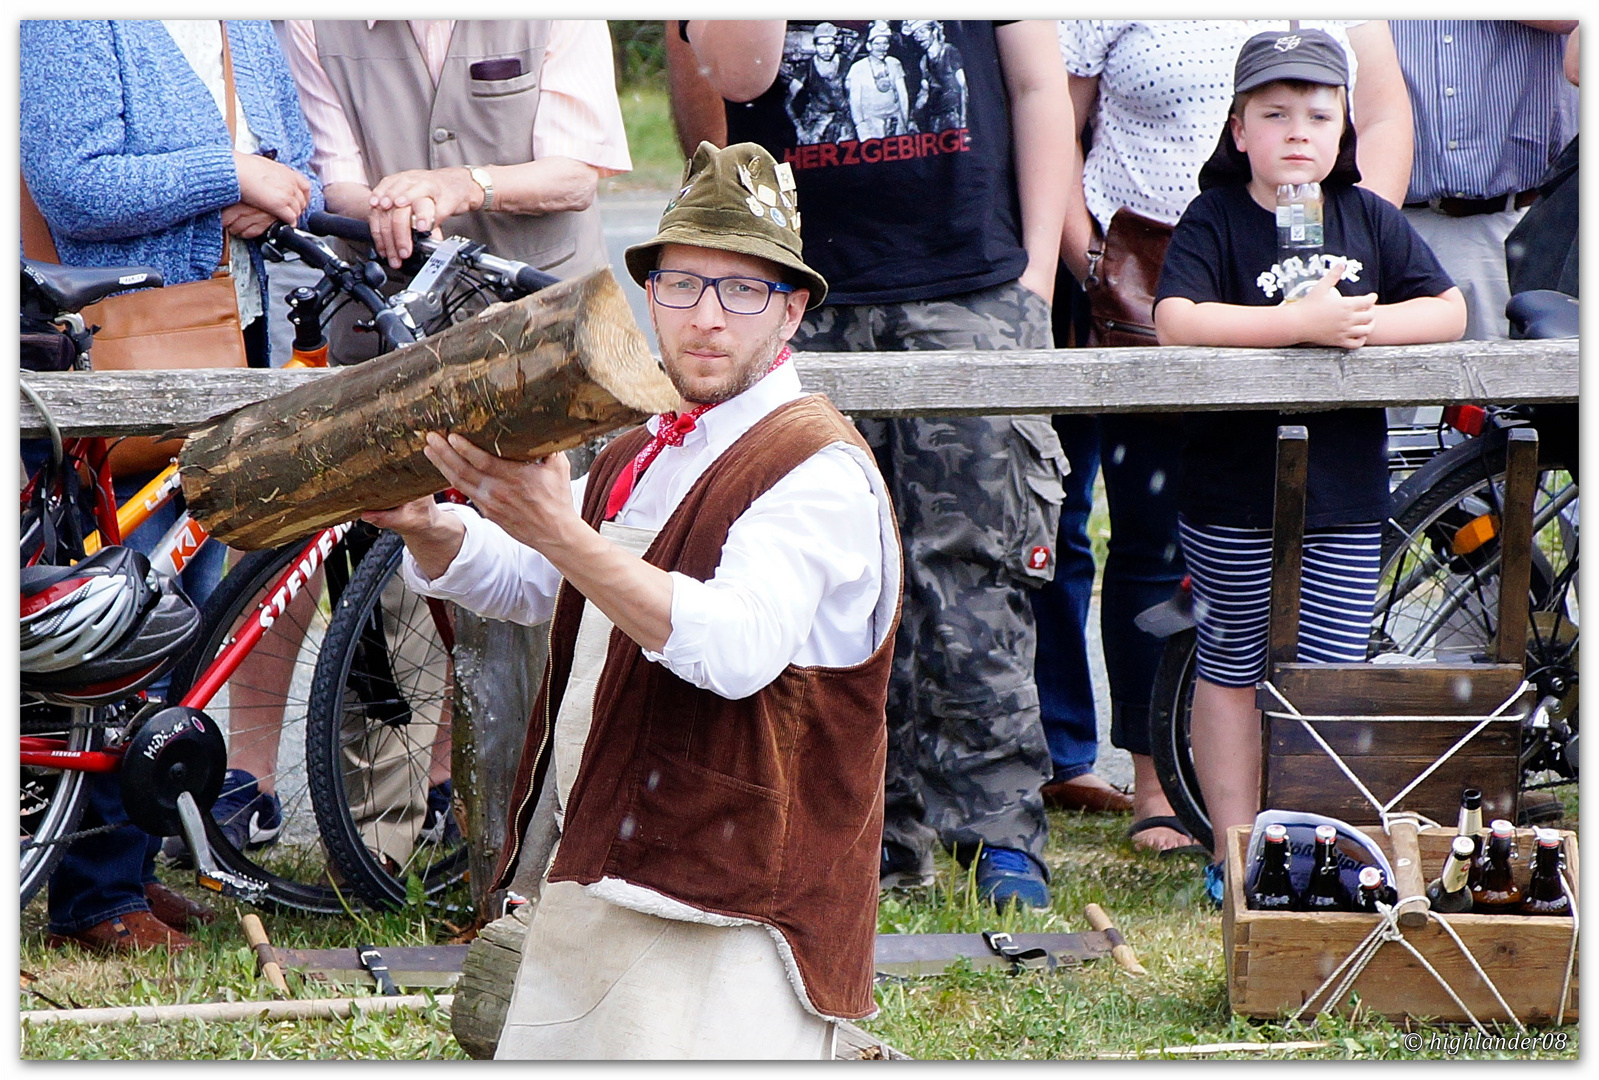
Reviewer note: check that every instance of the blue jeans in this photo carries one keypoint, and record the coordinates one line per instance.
(103, 876)
(1140, 455)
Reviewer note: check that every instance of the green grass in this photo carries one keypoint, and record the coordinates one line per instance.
(1082, 1012)
(651, 141)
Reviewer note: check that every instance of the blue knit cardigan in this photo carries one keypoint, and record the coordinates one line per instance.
(124, 149)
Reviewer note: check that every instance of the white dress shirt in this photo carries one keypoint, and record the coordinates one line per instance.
(810, 573)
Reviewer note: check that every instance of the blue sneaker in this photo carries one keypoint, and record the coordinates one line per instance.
(1214, 885)
(248, 817)
(1006, 874)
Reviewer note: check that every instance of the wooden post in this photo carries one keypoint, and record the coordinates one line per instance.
(1287, 542)
(521, 380)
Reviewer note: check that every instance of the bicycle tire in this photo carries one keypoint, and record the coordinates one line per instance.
(52, 801)
(294, 865)
(1422, 501)
(378, 727)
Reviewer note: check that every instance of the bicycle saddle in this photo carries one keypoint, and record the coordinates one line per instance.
(72, 288)
(1542, 313)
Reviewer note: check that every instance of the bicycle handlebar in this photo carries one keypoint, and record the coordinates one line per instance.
(524, 277)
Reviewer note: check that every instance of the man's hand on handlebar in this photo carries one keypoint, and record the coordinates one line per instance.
(419, 200)
(246, 221)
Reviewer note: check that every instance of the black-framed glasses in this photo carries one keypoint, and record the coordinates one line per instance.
(737, 295)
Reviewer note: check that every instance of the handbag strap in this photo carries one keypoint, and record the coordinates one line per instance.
(40, 246)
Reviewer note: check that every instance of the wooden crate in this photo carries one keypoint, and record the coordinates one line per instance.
(1276, 960)
(1387, 753)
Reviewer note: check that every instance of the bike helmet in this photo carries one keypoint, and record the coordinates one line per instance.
(101, 630)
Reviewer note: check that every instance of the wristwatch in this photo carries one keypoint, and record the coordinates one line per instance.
(481, 176)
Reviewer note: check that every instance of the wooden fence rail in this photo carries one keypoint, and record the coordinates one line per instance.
(1154, 379)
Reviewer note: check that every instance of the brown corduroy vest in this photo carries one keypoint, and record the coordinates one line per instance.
(767, 808)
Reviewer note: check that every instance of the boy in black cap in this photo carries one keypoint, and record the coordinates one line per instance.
(1223, 283)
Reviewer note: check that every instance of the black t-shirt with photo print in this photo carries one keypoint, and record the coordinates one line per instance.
(1224, 250)
(902, 158)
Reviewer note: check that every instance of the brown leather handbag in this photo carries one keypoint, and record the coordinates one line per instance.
(1122, 275)
(193, 325)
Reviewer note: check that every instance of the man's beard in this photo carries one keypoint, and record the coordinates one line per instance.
(746, 376)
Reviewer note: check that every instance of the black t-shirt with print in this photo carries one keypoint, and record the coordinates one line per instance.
(1224, 250)
(906, 182)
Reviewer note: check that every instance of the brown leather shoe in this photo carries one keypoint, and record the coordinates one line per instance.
(1087, 792)
(175, 909)
(135, 931)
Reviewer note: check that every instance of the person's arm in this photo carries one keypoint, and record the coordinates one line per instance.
(1420, 320)
(739, 58)
(1077, 230)
(1041, 110)
(335, 154)
(1571, 63)
(1383, 121)
(1324, 317)
(698, 114)
(73, 143)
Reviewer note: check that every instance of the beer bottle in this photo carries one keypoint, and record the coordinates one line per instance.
(1544, 894)
(1497, 893)
(1274, 889)
(1470, 825)
(1326, 890)
(1374, 891)
(1449, 892)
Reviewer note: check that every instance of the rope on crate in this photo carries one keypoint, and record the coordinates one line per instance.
(1381, 807)
(1571, 954)
(1386, 930)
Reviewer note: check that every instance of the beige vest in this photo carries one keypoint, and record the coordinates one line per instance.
(401, 121)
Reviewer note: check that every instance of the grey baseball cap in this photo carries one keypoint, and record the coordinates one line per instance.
(1306, 55)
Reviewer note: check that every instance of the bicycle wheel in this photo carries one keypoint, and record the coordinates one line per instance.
(1170, 705)
(1439, 592)
(378, 739)
(52, 799)
(262, 713)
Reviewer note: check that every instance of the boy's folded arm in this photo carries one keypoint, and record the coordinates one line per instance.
(1421, 320)
(1180, 321)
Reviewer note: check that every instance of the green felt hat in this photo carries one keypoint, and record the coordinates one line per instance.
(735, 199)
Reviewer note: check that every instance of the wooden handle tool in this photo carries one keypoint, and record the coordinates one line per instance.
(1408, 880)
(256, 935)
(1120, 951)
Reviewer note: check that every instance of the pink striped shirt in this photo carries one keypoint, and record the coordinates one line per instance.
(579, 116)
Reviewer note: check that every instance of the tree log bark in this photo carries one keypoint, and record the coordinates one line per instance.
(521, 380)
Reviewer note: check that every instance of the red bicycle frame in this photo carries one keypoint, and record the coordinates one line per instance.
(52, 753)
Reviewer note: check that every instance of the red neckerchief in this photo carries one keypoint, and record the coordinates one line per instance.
(669, 432)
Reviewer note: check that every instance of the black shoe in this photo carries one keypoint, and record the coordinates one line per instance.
(903, 868)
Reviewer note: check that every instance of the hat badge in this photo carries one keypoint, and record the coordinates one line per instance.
(1287, 43)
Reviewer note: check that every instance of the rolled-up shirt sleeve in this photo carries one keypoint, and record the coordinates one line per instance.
(815, 536)
(494, 574)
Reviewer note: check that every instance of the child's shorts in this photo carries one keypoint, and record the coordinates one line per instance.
(1231, 573)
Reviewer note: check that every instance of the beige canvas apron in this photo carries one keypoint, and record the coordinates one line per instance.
(598, 980)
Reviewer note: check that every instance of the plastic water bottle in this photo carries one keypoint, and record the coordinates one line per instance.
(1299, 238)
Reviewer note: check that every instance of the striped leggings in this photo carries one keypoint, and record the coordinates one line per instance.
(1231, 573)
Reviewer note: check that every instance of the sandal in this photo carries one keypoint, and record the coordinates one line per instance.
(1167, 821)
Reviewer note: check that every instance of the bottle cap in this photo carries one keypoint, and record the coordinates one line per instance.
(1501, 827)
(1277, 832)
(1471, 799)
(1370, 877)
(1326, 833)
(1548, 838)
(1462, 846)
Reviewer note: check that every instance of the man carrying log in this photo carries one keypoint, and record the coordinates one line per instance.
(710, 734)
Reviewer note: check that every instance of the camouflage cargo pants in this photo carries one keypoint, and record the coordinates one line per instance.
(978, 501)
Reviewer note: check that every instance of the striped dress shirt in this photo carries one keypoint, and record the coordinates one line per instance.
(579, 116)
(1492, 106)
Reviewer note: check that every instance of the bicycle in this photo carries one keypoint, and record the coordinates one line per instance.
(287, 597)
(1438, 592)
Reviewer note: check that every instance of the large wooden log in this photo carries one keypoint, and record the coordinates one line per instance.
(521, 380)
